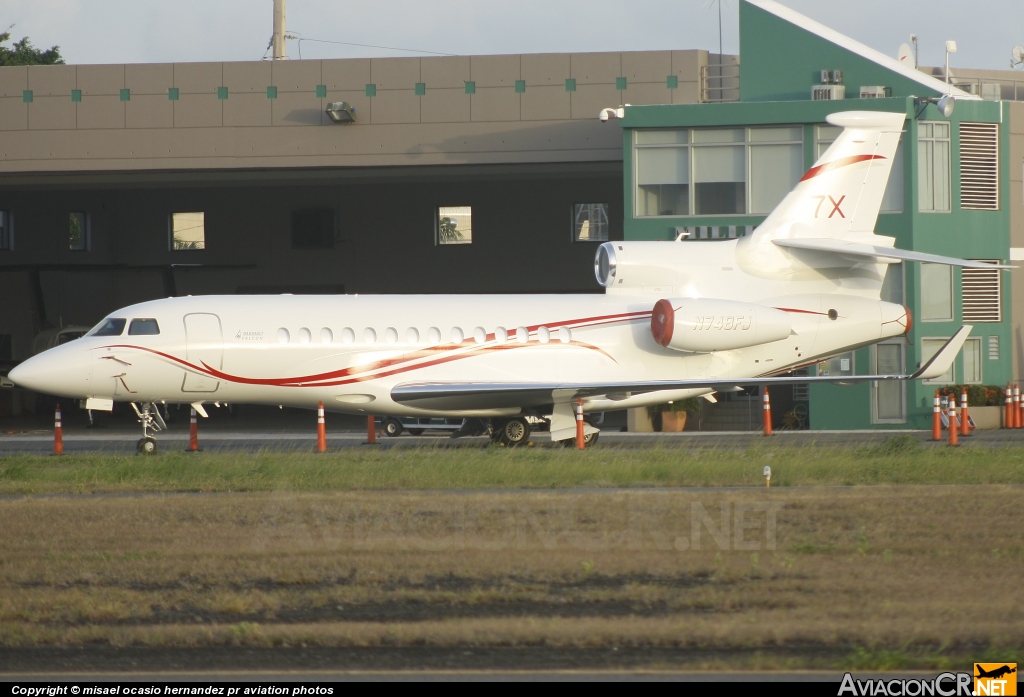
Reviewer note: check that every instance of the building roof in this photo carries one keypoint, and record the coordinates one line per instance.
(808, 24)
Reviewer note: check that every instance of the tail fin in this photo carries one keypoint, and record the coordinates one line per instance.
(839, 197)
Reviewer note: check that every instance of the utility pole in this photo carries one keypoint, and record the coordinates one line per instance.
(280, 51)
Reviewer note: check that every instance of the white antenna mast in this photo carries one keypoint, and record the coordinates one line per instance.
(280, 51)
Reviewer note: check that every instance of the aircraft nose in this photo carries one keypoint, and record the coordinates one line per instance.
(63, 371)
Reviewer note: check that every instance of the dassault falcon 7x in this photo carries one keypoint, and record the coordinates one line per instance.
(677, 320)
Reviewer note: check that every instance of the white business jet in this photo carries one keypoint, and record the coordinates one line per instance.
(677, 320)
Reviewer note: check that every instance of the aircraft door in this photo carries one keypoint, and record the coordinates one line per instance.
(204, 344)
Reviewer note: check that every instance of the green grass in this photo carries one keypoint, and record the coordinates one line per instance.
(895, 461)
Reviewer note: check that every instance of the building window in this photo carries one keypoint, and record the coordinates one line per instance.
(733, 170)
(893, 285)
(188, 230)
(892, 199)
(972, 361)
(313, 228)
(888, 397)
(979, 290)
(6, 236)
(929, 347)
(78, 232)
(590, 222)
(837, 365)
(933, 150)
(454, 225)
(936, 293)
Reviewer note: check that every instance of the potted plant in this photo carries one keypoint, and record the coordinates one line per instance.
(671, 417)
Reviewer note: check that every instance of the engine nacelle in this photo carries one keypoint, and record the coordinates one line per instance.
(703, 325)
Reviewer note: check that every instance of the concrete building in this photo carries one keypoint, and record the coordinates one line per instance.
(486, 174)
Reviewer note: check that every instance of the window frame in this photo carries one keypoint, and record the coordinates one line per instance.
(952, 366)
(170, 232)
(6, 230)
(86, 223)
(747, 144)
(607, 222)
(901, 384)
(921, 171)
(952, 293)
(437, 227)
(981, 360)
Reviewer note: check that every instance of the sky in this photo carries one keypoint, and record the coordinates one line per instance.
(152, 31)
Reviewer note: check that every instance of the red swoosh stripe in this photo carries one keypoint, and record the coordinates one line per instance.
(399, 364)
(836, 164)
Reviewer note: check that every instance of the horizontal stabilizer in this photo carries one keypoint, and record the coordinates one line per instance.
(858, 249)
(939, 364)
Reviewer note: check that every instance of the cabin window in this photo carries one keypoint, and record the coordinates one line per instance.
(564, 335)
(412, 335)
(305, 336)
(369, 336)
(348, 335)
(391, 335)
(543, 335)
(326, 336)
(143, 327)
(590, 222)
(109, 327)
(79, 232)
(283, 336)
(454, 225)
(457, 335)
(433, 336)
(480, 335)
(188, 231)
(522, 335)
(501, 335)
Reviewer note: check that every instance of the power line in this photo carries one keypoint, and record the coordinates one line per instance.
(348, 43)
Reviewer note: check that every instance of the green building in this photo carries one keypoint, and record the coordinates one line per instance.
(715, 170)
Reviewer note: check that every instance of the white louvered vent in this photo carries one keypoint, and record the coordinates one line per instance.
(981, 295)
(979, 166)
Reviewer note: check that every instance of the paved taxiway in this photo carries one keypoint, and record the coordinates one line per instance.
(123, 441)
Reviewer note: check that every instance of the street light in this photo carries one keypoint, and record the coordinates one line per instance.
(341, 112)
(950, 48)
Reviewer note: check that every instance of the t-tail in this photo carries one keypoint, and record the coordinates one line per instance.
(826, 224)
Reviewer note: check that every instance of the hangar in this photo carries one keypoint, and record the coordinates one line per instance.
(485, 174)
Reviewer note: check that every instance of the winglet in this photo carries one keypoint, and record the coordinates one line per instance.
(943, 358)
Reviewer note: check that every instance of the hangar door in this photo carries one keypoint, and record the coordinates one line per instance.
(204, 344)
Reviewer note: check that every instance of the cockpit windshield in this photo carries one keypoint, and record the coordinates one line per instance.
(143, 327)
(108, 327)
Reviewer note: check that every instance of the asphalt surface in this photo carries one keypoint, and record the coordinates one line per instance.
(123, 441)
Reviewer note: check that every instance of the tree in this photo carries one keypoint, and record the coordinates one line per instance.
(24, 53)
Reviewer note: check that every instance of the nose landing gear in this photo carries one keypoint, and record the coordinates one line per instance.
(151, 420)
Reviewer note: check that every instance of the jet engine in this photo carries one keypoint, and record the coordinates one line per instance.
(703, 325)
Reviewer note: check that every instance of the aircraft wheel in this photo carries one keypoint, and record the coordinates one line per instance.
(590, 438)
(515, 432)
(393, 427)
(146, 446)
(415, 431)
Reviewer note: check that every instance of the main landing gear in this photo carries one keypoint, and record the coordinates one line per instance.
(151, 420)
(511, 432)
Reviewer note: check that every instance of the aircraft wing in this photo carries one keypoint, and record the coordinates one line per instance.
(857, 249)
(457, 396)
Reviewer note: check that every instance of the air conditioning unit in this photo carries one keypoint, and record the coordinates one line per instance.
(828, 92)
(875, 92)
